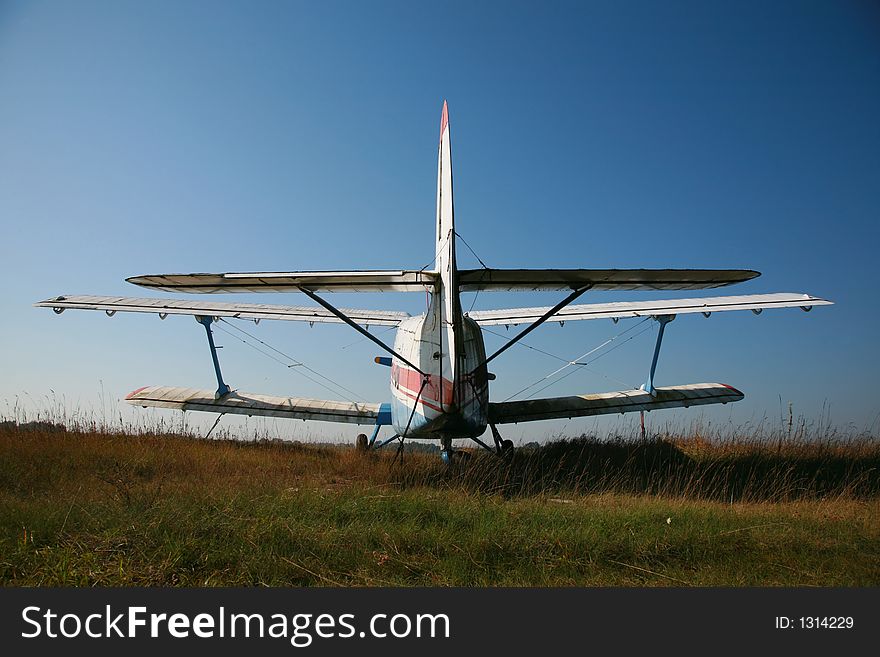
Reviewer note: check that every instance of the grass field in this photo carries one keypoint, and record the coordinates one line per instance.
(83, 508)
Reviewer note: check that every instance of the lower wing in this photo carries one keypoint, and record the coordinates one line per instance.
(607, 403)
(246, 403)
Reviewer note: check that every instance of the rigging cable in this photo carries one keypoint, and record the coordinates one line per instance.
(647, 328)
(362, 338)
(479, 259)
(464, 241)
(559, 358)
(298, 366)
(578, 359)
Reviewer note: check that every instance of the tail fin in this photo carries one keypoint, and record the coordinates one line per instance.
(448, 307)
(445, 213)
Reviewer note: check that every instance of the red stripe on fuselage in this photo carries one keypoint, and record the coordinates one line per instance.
(421, 401)
(410, 380)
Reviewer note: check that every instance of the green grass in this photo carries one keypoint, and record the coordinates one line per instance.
(89, 508)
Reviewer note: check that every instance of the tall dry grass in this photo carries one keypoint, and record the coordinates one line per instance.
(113, 506)
(789, 461)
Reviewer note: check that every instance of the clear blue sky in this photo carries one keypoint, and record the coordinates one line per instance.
(146, 137)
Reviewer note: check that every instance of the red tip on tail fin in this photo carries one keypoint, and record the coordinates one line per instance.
(444, 119)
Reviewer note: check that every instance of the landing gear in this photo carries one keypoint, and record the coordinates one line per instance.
(502, 447)
(362, 443)
(446, 450)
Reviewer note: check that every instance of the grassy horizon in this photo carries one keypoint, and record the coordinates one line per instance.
(83, 508)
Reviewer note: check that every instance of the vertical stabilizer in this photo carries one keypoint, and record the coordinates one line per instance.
(447, 293)
(445, 218)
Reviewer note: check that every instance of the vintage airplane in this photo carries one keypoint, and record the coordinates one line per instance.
(439, 367)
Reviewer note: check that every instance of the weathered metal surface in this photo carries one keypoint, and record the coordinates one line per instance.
(600, 279)
(216, 309)
(316, 281)
(624, 401)
(246, 403)
(511, 316)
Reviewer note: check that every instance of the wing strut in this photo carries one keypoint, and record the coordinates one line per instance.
(663, 320)
(531, 327)
(222, 388)
(331, 308)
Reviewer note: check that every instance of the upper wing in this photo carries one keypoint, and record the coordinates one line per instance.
(754, 302)
(624, 401)
(600, 279)
(469, 279)
(246, 403)
(256, 311)
(316, 281)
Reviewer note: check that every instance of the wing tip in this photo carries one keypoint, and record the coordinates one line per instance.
(734, 390)
(134, 393)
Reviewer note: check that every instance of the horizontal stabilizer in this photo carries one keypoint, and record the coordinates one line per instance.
(609, 403)
(246, 403)
(600, 279)
(622, 309)
(256, 311)
(315, 281)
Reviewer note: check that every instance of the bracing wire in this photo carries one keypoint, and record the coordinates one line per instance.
(362, 338)
(293, 364)
(297, 363)
(464, 241)
(409, 422)
(434, 259)
(559, 358)
(479, 259)
(526, 345)
(577, 361)
(565, 376)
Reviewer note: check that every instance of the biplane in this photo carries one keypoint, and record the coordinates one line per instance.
(439, 383)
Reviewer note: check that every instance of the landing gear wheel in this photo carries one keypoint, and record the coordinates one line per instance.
(362, 444)
(446, 450)
(503, 447)
(453, 456)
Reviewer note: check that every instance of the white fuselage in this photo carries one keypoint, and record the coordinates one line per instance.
(440, 404)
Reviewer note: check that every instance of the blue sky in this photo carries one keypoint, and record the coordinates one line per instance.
(233, 136)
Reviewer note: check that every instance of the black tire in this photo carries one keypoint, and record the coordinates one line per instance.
(362, 444)
(506, 447)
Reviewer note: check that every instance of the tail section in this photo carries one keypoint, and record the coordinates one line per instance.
(447, 306)
(445, 244)
(445, 216)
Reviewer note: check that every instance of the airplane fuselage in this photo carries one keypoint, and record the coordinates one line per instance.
(453, 399)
